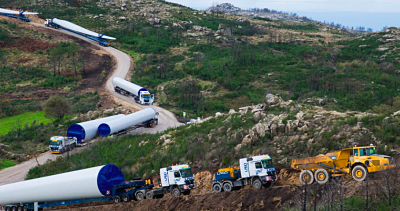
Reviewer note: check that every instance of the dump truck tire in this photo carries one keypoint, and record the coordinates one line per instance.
(307, 177)
(217, 188)
(322, 176)
(359, 173)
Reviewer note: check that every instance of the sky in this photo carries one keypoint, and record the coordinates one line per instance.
(368, 13)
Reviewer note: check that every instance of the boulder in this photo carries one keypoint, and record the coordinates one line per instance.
(274, 128)
(272, 100)
(197, 28)
(246, 139)
(232, 111)
(261, 129)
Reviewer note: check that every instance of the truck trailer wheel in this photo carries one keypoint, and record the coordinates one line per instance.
(359, 173)
(306, 177)
(227, 187)
(217, 188)
(139, 196)
(257, 184)
(117, 199)
(176, 192)
(321, 176)
(126, 198)
(149, 195)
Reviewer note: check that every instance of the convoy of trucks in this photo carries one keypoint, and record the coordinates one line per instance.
(256, 170)
(106, 183)
(61, 144)
(101, 183)
(140, 94)
(355, 161)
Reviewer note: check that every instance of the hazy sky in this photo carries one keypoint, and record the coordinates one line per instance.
(368, 13)
(375, 6)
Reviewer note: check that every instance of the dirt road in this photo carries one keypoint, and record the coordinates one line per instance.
(123, 66)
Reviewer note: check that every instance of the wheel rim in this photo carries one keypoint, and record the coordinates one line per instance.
(321, 176)
(306, 177)
(359, 173)
(217, 188)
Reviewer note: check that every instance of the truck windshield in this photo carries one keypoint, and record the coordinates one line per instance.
(267, 164)
(186, 173)
(146, 96)
(53, 143)
(370, 150)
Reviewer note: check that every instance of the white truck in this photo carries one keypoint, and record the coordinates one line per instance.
(140, 94)
(61, 144)
(175, 180)
(256, 170)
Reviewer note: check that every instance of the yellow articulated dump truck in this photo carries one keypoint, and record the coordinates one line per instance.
(357, 161)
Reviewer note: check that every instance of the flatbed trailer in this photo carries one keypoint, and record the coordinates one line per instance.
(99, 40)
(127, 191)
(21, 17)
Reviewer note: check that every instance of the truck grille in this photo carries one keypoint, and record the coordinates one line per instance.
(391, 160)
(189, 182)
(271, 173)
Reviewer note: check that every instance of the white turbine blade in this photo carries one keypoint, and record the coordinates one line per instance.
(74, 27)
(5, 11)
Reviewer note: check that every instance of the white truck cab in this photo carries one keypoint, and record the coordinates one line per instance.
(61, 144)
(177, 179)
(146, 98)
(260, 166)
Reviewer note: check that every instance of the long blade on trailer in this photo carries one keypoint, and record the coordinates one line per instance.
(5, 11)
(74, 27)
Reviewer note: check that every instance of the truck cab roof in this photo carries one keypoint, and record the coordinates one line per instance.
(177, 167)
(258, 158)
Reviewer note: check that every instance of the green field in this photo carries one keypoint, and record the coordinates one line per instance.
(6, 163)
(6, 124)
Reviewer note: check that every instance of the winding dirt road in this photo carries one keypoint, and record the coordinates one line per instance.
(123, 65)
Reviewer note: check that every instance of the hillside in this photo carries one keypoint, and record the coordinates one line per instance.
(289, 89)
(37, 63)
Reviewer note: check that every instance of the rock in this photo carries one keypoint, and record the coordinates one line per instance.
(261, 107)
(359, 124)
(232, 111)
(272, 99)
(219, 114)
(167, 142)
(274, 128)
(157, 20)
(396, 113)
(246, 140)
(197, 28)
(75, 118)
(122, 18)
(300, 115)
(321, 101)
(238, 147)
(142, 143)
(261, 129)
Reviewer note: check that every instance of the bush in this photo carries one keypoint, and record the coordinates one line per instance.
(57, 107)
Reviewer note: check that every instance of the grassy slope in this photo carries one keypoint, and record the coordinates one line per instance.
(6, 163)
(8, 123)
